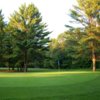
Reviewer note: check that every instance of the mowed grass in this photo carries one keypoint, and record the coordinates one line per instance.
(58, 85)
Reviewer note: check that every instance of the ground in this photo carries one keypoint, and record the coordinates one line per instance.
(56, 85)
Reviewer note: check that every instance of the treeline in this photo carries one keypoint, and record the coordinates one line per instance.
(79, 47)
(24, 40)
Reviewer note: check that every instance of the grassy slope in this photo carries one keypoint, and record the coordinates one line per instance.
(50, 86)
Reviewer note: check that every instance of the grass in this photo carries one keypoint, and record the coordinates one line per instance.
(56, 85)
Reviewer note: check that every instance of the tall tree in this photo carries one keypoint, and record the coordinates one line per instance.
(29, 32)
(2, 36)
(88, 15)
(8, 49)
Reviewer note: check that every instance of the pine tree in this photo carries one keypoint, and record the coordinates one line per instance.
(2, 37)
(29, 32)
(88, 15)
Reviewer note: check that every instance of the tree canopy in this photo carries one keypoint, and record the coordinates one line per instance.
(29, 36)
(25, 42)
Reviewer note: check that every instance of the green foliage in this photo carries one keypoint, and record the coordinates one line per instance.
(29, 33)
(2, 38)
(76, 47)
(86, 14)
(24, 41)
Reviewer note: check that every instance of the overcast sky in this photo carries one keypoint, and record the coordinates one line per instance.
(54, 12)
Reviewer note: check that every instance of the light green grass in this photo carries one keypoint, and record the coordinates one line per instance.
(67, 85)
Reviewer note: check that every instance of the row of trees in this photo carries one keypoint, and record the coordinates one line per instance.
(24, 40)
(80, 47)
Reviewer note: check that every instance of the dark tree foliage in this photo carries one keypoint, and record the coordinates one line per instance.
(26, 40)
(2, 38)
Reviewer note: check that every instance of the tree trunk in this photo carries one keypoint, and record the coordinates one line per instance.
(93, 58)
(8, 65)
(25, 67)
(93, 48)
(25, 61)
(58, 64)
(9, 68)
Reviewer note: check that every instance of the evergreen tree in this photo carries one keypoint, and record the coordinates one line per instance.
(30, 34)
(88, 15)
(2, 37)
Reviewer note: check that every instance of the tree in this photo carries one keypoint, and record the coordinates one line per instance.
(55, 53)
(9, 49)
(87, 14)
(58, 51)
(2, 37)
(30, 34)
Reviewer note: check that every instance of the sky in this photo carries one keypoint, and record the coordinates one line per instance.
(54, 12)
